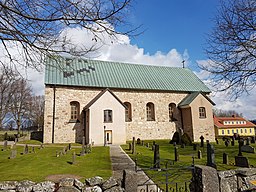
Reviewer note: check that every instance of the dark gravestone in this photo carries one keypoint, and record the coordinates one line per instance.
(133, 146)
(247, 149)
(217, 141)
(240, 142)
(138, 141)
(142, 143)
(225, 158)
(233, 141)
(153, 146)
(69, 146)
(241, 161)
(199, 154)
(202, 141)
(147, 145)
(253, 139)
(226, 142)
(248, 141)
(176, 154)
(156, 156)
(194, 146)
(210, 156)
(130, 147)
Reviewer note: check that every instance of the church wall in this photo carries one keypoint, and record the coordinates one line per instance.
(204, 126)
(139, 127)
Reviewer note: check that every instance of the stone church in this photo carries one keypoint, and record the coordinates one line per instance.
(111, 102)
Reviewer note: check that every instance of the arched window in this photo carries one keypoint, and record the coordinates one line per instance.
(128, 112)
(202, 113)
(150, 112)
(172, 112)
(75, 109)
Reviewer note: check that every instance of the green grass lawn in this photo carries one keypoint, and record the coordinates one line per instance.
(176, 171)
(37, 166)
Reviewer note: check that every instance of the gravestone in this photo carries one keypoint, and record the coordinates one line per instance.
(133, 146)
(74, 158)
(13, 154)
(5, 145)
(210, 156)
(138, 141)
(130, 147)
(217, 141)
(226, 142)
(233, 141)
(253, 139)
(202, 141)
(240, 142)
(241, 161)
(248, 141)
(148, 145)
(69, 146)
(64, 150)
(247, 149)
(26, 149)
(176, 154)
(82, 153)
(142, 143)
(199, 154)
(57, 153)
(156, 156)
(194, 146)
(225, 158)
(153, 146)
(174, 143)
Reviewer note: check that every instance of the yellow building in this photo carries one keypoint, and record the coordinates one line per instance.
(228, 126)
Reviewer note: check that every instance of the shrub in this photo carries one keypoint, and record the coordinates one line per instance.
(186, 139)
(175, 138)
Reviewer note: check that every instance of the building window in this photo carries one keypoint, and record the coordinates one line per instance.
(172, 112)
(202, 112)
(233, 131)
(150, 112)
(245, 130)
(74, 112)
(222, 132)
(128, 112)
(108, 116)
(237, 131)
(228, 131)
(241, 130)
(250, 130)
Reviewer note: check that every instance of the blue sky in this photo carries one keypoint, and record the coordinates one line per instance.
(174, 30)
(179, 24)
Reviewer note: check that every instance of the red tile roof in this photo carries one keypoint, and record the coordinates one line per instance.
(219, 122)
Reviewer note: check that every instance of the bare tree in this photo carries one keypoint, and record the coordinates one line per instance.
(232, 47)
(38, 26)
(226, 113)
(19, 107)
(7, 79)
(36, 111)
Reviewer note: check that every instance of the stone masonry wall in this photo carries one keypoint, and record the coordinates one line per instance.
(139, 127)
(208, 179)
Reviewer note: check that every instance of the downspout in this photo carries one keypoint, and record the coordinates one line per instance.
(53, 112)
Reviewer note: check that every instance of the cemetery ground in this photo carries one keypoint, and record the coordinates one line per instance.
(178, 173)
(48, 162)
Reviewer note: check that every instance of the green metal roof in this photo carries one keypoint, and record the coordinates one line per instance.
(105, 74)
(190, 98)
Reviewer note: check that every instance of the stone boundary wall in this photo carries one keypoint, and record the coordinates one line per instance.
(208, 179)
(95, 184)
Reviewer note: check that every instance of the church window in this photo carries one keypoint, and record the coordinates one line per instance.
(150, 112)
(128, 112)
(74, 113)
(172, 110)
(108, 116)
(202, 112)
